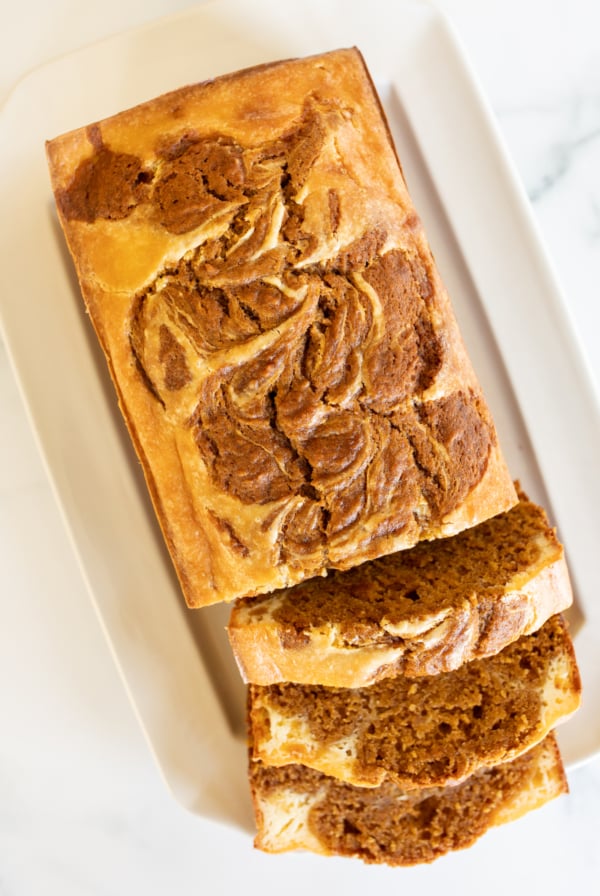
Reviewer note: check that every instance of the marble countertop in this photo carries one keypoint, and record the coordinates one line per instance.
(83, 809)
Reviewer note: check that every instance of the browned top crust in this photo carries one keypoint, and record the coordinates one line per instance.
(284, 353)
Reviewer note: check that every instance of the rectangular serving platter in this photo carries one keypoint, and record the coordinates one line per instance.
(175, 663)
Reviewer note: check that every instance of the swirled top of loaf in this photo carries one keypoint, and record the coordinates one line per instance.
(284, 351)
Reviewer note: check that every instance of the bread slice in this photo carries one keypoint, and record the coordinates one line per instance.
(299, 808)
(283, 351)
(417, 612)
(422, 732)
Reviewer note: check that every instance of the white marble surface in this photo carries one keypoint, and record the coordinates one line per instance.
(82, 807)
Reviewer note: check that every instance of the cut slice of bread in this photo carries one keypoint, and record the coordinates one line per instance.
(417, 612)
(299, 808)
(427, 731)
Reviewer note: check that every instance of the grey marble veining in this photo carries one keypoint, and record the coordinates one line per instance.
(551, 141)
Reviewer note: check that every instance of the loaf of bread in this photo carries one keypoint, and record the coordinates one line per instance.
(299, 808)
(417, 612)
(283, 351)
(422, 732)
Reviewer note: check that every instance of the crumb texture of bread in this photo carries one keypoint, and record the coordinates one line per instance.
(299, 808)
(283, 351)
(417, 612)
(427, 731)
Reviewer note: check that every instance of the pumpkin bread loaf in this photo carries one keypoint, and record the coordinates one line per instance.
(283, 350)
(297, 390)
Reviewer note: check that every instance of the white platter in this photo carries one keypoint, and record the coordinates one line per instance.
(176, 664)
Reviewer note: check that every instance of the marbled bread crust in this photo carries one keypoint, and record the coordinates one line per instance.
(297, 808)
(418, 612)
(283, 351)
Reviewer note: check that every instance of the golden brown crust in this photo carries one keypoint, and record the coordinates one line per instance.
(417, 612)
(284, 352)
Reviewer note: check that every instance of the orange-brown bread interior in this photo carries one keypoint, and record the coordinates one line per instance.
(434, 729)
(396, 827)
